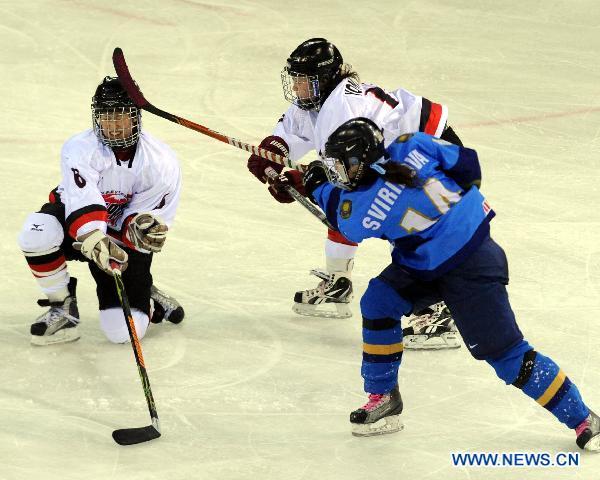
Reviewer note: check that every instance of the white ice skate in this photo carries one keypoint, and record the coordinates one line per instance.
(331, 298)
(60, 323)
(434, 329)
(381, 414)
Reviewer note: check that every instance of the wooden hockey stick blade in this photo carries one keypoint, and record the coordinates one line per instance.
(127, 81)
(132, 436)
(136, 95)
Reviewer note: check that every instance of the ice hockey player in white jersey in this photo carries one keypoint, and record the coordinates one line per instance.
(325, 92)
(117, 198)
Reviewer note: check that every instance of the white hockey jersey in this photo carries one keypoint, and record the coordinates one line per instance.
(396, 112)
(101, 192)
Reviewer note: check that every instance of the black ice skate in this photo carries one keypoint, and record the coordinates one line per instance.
(59, 323)
(588, 433)
(165, 307)
(380, 415)
(329, 299)
(432, 329)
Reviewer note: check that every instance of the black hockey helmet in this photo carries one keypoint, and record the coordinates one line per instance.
(351, 149)
(116, 120)
(316, 62)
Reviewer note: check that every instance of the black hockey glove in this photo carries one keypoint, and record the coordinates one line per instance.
(313, 177)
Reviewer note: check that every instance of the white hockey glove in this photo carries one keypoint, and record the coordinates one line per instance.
(147, 232)
(102, 251)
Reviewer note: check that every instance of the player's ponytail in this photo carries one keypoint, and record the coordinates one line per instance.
(400, 174)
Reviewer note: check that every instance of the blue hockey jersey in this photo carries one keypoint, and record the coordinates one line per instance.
(433, 226)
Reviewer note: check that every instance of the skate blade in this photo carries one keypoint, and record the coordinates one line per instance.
(65, 335)
(425, 342)
(327, 310)
(391, 424)
(593, 444)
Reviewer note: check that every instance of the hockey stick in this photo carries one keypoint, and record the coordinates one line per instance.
(296, 195)
(136, 95)
(131, 436)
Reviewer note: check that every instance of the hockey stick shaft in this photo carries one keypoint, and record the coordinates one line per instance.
(137, 352)
(140, 101)
(301, 199)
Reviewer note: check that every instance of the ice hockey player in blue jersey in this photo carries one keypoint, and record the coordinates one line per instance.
(422, 195)
(324, 92)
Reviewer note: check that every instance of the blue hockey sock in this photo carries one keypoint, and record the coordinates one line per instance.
(382, 308)
(543, 380)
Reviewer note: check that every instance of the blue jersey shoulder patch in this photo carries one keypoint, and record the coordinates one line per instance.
(346, 209)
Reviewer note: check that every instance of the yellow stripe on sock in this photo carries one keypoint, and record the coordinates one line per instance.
(383, 349)
(552, 389)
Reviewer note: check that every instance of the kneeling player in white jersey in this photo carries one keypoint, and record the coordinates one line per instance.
(118, 195)
(325, 93)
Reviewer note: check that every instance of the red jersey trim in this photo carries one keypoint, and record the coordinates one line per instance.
(435, 116)
(78, 222)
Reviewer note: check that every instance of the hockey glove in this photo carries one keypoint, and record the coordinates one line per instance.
(147, 233)
(314, 177)
(277, 186)
(101, 250)
(257, 164)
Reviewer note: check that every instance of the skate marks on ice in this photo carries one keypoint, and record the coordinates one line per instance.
(258, 350)
(254, 382)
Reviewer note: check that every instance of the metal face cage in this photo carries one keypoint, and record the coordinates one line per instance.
(117, 127)
(301, 89)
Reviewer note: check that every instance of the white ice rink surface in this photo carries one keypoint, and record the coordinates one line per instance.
(246, 389)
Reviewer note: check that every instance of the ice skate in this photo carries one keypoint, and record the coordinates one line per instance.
(60, 323)
(331, 298)
(381, 414)
(165, 307)
(588, 433)
(433, 329)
